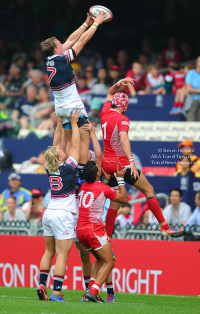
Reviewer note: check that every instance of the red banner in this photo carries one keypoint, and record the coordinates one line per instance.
(151, 267)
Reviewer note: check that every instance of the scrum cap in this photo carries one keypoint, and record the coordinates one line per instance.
(121, 100)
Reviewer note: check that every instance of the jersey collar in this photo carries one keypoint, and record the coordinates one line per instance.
(51, 57)
(115, 111)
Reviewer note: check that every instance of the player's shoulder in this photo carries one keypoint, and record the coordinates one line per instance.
(124, 119)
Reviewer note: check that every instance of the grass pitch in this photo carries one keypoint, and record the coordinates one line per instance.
(24, 300)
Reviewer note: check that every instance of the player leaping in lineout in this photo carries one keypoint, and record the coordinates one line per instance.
(117, 151)
(61, 79)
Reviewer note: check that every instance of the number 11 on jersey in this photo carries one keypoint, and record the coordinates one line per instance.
(104, 130)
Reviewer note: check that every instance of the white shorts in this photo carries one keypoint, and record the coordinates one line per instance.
(66, 111)
(59, 223)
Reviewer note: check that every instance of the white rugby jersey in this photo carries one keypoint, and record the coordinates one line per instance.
(61, 79)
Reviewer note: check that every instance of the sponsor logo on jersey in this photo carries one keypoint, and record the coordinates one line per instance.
(125, 123)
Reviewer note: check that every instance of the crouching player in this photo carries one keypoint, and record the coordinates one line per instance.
(59, 220)
(90, 228)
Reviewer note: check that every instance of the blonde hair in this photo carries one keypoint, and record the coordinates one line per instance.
(52, 158)
(47, 46)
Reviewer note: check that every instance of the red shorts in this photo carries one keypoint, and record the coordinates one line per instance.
(92, 236)
(110, 165)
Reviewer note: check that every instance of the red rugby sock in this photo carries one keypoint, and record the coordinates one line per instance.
(92, 281)
(110, 221)
(155, 208)
(95, 288)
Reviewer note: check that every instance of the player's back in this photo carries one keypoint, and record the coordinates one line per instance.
(62, 185)
(91, 203)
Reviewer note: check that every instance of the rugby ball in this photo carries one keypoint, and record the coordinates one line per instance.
(96, 8)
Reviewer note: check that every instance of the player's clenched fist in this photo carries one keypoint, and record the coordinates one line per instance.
(75, 116)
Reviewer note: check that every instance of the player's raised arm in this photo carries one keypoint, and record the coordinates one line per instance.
(85, 37)
(115, 88)
(58, 133)
(74, 37)
(75, 150)
(95, 142)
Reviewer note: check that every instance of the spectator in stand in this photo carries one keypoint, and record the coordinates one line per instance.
(140, 80)
(154, 81)
(31, 63)
(144, 60)
(40, 59)
(195, 217)
(115, 74)
(193, 88)
(20, 62)
(187, 148)
(101, 86)
(125, 218)
(82, 84)
(48, 124)
(5, 57)
(181, 93)
(175, 78)
(34, 165)
(22, 195)
(186, 165)
(12, 212)
(77, 68)
(159, 61)
(43, 114)
(186, 52)
(109, 63)
(35, 207)
(177, 212)
(171, 54)
(91, 80)
(147, 48)
(36, 79)
(24, 106)
(12, 89)
(122, 59)
(94, 114)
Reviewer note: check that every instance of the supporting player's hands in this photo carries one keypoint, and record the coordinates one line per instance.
(100, 18)
(106, 175)
(59, 119)
(134, 171)
(89, 21)
(120, 173)
(88, 127)
(126, 81)
(75, 116)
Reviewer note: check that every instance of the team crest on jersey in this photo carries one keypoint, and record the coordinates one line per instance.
(125, 123)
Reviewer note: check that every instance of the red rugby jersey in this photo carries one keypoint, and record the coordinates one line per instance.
(92, 198)
(112, 123)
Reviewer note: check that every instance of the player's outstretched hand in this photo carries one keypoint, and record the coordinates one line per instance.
(89, 21)
(120, 173)
(75, 116)
(100, 18)
(88, 127)
(106, 176)
(134, 170)
(59, 119)
(126, 81)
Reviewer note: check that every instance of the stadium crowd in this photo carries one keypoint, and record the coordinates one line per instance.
(24, 84)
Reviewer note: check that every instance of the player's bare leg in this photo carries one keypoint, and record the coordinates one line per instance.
(105, 264)
(62, 249)
(147, 189)
(45, 266)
